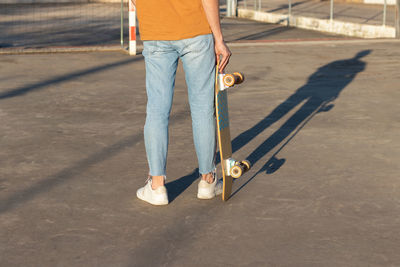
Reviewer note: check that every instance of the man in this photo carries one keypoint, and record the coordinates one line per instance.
(188, 30)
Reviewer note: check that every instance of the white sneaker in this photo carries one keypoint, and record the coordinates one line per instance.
(208, 191)
(157, 196)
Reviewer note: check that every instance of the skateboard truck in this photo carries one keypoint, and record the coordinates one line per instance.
(229, 80)
(236, 168)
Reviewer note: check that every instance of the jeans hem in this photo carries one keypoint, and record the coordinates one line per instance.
(212, 170)
(165, 177)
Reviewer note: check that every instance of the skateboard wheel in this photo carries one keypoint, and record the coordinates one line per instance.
(229, 80)
(240, 76)
(236, 171)
(247, 164)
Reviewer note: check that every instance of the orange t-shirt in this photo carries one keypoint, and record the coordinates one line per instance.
(171, 19)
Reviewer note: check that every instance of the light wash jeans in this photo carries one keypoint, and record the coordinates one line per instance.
(198, 58)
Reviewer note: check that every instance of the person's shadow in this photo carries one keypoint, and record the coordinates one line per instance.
(321, 89)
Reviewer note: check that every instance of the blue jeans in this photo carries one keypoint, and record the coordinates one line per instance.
(198, 58)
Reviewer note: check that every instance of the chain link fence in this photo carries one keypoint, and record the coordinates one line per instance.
(46, 25)
(379, 14)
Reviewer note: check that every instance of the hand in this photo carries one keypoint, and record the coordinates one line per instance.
(223, 54)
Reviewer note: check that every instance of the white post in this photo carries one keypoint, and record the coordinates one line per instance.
(231, 8)
(132, 29)
(398, 19)
(122, 24)
(384, 12)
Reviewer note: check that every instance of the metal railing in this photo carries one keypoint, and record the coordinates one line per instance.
(274, 6)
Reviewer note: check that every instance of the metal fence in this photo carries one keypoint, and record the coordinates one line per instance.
(318, 9)
(62, 24)
(46, 25)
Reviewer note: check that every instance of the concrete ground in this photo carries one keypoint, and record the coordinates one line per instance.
(320, 123)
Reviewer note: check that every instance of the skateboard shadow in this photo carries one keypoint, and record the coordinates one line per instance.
(317, 95)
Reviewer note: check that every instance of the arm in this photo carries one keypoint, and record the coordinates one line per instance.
(211, 8)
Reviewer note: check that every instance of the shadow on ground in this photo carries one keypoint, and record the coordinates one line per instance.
(63, 78)
(321, 89)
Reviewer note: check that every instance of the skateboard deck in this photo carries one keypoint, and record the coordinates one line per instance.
(230, 168)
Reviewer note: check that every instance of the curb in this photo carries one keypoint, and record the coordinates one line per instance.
(66, 49)
(319, 41)
(244, 43)
(323, 25)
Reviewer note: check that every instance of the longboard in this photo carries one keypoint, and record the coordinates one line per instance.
(231, 168)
